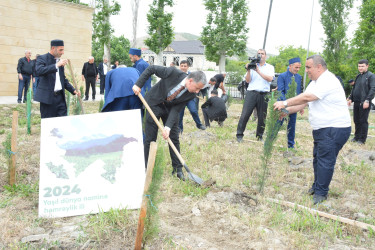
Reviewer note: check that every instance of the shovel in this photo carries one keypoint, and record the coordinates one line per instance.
(192, 176)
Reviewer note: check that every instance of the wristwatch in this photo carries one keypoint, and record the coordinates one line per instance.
(285, 103)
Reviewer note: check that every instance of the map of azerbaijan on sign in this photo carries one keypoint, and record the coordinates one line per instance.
(91, 163)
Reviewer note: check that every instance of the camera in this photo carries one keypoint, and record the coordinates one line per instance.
(253, 62)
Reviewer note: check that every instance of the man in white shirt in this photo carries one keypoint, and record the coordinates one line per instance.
(259, 85)
(329, 118)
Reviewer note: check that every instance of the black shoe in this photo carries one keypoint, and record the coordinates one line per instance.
(311, 191)
(18, 101)
(318, 199)
(85, 99)
(202, 127)
(239, 139)
(180, 175)
(24, 101)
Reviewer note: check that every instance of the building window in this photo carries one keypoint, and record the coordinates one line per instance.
(164, 61)
(176, 60)
(190, 61)
(151, 60)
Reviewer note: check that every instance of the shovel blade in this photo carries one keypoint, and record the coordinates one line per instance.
(192, 176)
(195, 178)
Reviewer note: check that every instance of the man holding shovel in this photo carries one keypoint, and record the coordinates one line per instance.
(166, 99)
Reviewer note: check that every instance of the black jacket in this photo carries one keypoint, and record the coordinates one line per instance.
(170, 78)
(367, 90)
(216, 108)
(46, 69)
(101, 69)
(84, 69)
(25, 67)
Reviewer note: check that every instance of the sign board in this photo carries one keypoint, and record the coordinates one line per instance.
(91, 163)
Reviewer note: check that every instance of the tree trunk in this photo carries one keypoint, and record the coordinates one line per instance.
(222, 63)
(107, 45)
(135, 5)
(107, 53)
(159, 58)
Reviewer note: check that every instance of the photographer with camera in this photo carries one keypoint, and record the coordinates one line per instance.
(259, 76)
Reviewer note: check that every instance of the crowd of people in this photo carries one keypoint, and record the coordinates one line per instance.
(179, 88)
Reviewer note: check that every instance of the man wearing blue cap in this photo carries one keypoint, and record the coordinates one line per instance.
(52, 84)
(283, 83)
(140, 65)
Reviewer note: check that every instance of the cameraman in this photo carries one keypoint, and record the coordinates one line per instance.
(259, 85)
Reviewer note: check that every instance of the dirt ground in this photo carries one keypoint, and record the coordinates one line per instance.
(230, 214)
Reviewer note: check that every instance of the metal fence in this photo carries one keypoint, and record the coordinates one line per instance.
(233, 92)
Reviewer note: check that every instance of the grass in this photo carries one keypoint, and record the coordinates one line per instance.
(215, 154)
(22, 190)
(152, 220)
(103, 225)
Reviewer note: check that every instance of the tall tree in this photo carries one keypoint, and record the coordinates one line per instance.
(334, 15)
(225, 33)
(160, 29)
(135, 5)
(102, 28)
(119, 50)
(364, 37)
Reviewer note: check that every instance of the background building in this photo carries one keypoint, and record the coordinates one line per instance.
(192, 51)
(32, 24)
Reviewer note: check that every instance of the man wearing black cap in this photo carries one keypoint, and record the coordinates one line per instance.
(51, 89)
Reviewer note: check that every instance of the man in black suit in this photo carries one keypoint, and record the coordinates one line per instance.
(103, 70)
(166, 99)
(214, 109)
(52, 84)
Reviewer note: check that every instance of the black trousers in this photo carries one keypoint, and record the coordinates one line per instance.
(90, 81)
(56, 109)
(151, 130)
(207, 120)
(102, 84)
(360, 117)
(258, 100)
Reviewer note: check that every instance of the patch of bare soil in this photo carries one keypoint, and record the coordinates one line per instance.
(214, 222)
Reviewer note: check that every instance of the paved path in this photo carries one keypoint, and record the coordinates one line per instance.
(13, 99)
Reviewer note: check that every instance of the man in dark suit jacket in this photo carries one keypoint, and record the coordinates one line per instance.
(52, 84)
(173, 83)
(103, 70)
(214, 109)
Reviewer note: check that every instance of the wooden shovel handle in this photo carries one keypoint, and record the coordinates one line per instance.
(161, 128)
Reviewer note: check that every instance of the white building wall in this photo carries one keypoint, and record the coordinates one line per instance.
(199, 61)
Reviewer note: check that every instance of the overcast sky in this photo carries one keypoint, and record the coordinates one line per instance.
(289, 22)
